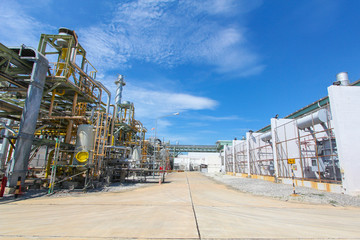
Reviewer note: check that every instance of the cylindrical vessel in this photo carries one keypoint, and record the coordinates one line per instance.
(120, 82)
(136, 156)
(318, 117)
(266, 136)
(343, 78)
(62, 42)
(84, 144)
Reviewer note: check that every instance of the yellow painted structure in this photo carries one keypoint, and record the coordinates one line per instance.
(328, 187)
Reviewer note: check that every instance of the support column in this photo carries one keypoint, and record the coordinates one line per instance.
(345, 105)
(225, 159)
(234, 158)
(71, 122)
(248, 152)
(273, 142)
(19, 162)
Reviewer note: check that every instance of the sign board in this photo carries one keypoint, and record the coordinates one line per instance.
(291, 160)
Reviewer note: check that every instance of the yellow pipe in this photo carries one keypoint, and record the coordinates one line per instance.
(71, 158)
(61, 64)
(53, 99)
(51, 156)
(10, 151)
(132, 115)
(52, 103)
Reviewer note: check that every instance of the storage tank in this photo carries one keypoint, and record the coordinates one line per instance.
(84, 144)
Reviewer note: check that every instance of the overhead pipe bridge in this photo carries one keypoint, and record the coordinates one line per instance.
(177, 149)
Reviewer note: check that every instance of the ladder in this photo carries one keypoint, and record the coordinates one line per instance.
(101, 138)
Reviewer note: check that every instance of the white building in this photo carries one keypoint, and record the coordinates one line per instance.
(198, 161)
(318, 145)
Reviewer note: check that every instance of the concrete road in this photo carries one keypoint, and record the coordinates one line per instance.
(188, 206)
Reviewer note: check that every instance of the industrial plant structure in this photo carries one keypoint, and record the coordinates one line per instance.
(316, 146)
(56, 129)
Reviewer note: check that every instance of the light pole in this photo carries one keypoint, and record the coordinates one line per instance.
(156, 120)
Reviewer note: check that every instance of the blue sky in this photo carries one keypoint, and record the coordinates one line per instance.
(226, 66)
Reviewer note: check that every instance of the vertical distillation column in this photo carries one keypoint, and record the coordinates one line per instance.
(19, 163)
(120, 82)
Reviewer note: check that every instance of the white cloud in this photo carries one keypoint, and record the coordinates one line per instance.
(208, 118)
(153, 104)
(228, 7)
(171, 33)
(165, 32)
(221, 118)
(220, 6)
(17, 27)
(230, 53)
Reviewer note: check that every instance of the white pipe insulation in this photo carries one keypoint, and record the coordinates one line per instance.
(266, 136)
(318, 117)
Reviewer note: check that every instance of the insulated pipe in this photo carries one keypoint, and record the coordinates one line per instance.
(108, 98)
(5, 145)
(100, 95)
(19, 163)
(318, 117)
(225, 159)
(233, 153)
(118, 147)
(7, 128)
(266, 137)
(112, 126)
(96, 83)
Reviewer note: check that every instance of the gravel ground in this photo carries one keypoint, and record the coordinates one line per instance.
(284, 191)
(113, 187)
